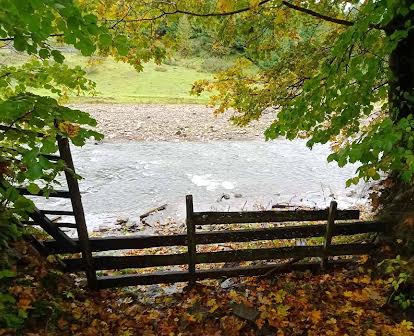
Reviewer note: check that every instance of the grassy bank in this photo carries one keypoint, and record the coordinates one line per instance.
(120, 83)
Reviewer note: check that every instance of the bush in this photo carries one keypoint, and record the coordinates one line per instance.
(215, 64)
(160, 69)
(401, 281)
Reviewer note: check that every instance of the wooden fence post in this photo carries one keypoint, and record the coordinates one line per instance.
(329, 232)
(190, 237)
(79, 214)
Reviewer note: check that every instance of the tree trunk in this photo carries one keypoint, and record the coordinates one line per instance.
(397, 196)
(401, 63)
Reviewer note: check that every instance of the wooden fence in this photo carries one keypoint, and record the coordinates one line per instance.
(349, 225)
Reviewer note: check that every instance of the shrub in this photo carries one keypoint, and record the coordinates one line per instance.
(215, 64)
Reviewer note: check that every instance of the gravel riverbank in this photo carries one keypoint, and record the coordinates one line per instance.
(144, 122)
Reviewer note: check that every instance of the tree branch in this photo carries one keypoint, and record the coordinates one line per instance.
(245, 9)
(5, 39)
(318, 15)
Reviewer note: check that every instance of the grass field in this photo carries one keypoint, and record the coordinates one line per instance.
(120, 83)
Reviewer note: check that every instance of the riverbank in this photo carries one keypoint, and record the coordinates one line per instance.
(157, 122)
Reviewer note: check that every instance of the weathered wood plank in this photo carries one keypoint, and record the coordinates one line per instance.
(123, 243)
(288, 232)
(51, 157)
(208, 218)
(122, 262)
(143, 279)
(191, 238)
(60, 237)
(329, 232)
(171, 277)
(57, 212)
(58, 224)
(4, 128)
(282, 253)
(55, 193)
(257, 270)
(76, 200)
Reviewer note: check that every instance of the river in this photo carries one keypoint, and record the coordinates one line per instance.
(125, 179)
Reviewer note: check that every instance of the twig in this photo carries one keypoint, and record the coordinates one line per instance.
(280, 267)
(160, 208)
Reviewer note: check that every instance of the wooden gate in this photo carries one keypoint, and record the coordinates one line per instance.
(297, 224)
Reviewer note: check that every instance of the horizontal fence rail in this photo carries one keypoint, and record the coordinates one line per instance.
(143, 261)
(57, 212)
(213, 237)
(172, 277)
(209, 218)
(55, 193)
(58, 224)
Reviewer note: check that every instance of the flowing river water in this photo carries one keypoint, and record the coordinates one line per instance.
(125, 179)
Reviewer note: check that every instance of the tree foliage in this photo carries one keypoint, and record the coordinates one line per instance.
(30, 123)
(325, 67)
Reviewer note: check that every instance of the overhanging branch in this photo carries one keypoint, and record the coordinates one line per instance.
(318, 15)
(5, 39)
(285, 3)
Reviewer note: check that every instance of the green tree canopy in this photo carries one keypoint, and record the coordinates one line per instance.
(333, 71)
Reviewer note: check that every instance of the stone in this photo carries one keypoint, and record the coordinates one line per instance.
(237, 195)
(245, 312)
(351, 193)
(224, 196)
(227, 283)
(104, 228)
(122, 220)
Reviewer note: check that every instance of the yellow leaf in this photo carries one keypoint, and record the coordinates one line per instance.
(224, 5)
(70, 129)
(212, 304)
(24, 303)
(366, 280)
(254, 3)
(348, 294)
(315, 316)
(190, 318)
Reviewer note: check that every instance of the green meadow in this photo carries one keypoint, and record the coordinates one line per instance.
(117, 82)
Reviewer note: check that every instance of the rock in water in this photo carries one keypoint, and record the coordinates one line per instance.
(224, 196)
(122, 220)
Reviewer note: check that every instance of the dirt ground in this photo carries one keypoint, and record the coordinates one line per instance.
(170, 123)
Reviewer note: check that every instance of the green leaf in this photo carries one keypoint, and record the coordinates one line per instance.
(33, 188)
(19, 43)
(122, 45)
(57, 56)
(7, 273)
(44, 53)
(34, 172)
(105, 40)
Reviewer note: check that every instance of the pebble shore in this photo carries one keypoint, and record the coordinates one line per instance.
(151, 122)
